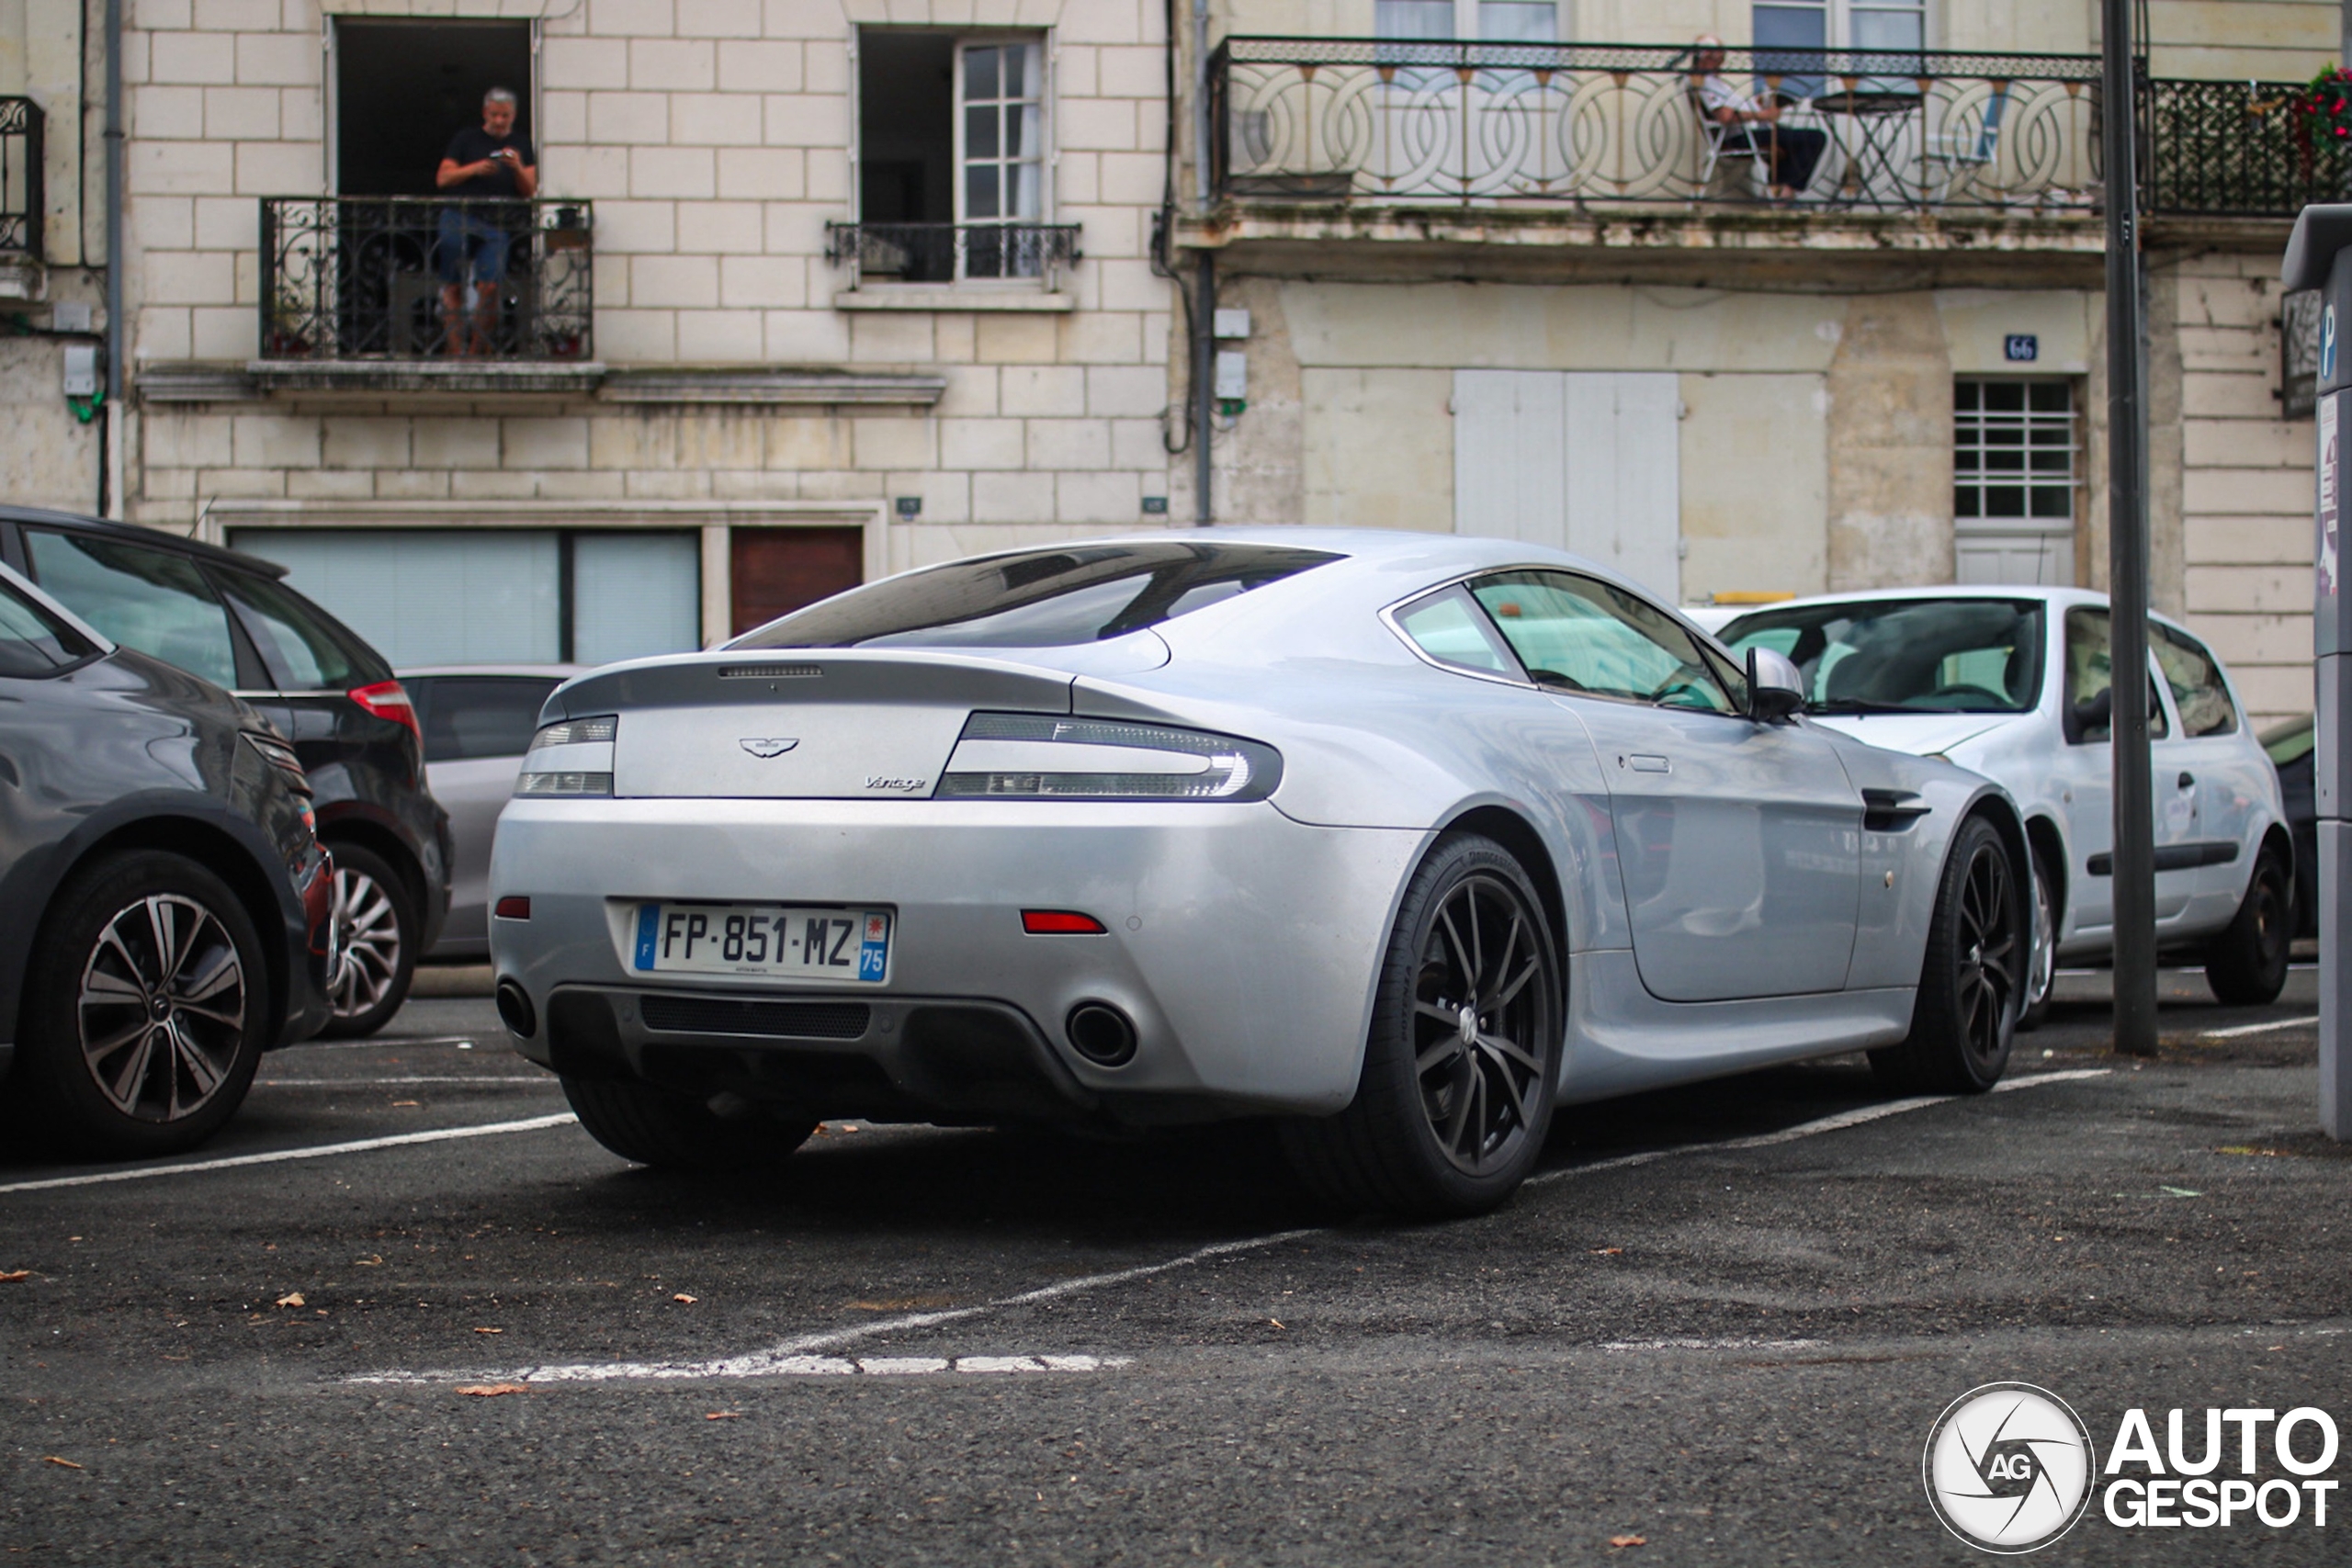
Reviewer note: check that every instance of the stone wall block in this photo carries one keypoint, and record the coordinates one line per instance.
(559, 443)
(278, 59)
(1042, 390)
(203, 58)
(885, 440)
(1015, 340)
(1079, 443)
(367, 441)
(719, 337)
(159, 113)
(982, 443)
(1013, 498)
(1108, 497)
(765, 67)
(455, 441)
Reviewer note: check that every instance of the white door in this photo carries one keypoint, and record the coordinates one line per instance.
(1588, 461)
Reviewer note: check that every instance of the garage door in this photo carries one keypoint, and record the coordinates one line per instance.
(498, 597)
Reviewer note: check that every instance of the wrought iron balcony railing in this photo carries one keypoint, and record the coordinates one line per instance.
(408, 278)
(2235, 150)
(1416, 122)
(21, 199)
(951, 252)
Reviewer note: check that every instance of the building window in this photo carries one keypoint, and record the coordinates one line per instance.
(2015, 475)
(499, 595)
(952, 163)
(1491, 21)
(1892, 25)
(403, 89)
(2013, 450)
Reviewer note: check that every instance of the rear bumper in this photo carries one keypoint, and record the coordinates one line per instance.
(1243, 946)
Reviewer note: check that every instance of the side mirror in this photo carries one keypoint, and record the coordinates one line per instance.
(1775, 686)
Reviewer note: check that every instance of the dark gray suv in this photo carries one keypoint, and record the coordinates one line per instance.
(166, 906)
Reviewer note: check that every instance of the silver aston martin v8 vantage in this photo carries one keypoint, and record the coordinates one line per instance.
(1402, 839)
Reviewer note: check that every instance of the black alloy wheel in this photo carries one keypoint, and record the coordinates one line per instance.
(147, 1009)
(1971, 982)
(2246, 966)
(376, 937)
(1461, 1064)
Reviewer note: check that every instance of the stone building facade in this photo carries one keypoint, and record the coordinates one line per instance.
(770, 387)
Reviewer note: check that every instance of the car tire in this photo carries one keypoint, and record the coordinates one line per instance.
(146, 1007)
(376, 935)
(1449, 1116)
(1965, 1020)
(2246, 966)
(2041, 965)
(676, 1131)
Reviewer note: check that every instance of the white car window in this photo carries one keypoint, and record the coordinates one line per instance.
(2195, 676)
(1592, 637)
(1448, 627)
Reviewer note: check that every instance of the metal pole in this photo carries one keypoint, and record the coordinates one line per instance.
(1205, 385)
(117, 422)
(2127, 531)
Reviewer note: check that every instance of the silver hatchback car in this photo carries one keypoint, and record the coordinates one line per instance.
(2014, 683)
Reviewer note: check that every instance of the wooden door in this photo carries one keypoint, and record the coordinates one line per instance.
(774, 572)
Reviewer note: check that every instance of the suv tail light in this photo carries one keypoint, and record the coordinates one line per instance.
(389, 699)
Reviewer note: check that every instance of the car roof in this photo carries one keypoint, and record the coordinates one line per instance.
(74, 521)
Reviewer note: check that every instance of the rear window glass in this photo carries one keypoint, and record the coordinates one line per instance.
(304, 649)
(32, 641)
(1037, 598)
(465, 716)
(154, 600)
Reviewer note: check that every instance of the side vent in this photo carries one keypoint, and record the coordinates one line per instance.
(1891, 810)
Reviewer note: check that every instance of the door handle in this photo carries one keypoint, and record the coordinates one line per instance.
(2188, 781)
(1643, 764)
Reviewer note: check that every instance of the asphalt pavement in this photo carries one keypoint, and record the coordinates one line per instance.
(403, 1309)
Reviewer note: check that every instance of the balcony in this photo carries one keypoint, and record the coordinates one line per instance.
(422, 293)
(21, 202)
(1549, 142)
(982, 254)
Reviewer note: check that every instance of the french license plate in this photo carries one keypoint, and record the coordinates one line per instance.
(776, 940)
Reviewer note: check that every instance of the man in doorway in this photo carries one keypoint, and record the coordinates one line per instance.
(482, 164)
(1749, 123)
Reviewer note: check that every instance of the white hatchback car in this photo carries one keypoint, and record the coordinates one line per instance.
(2013, 682)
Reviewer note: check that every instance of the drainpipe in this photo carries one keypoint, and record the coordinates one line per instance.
(1205, 292)
(117, 426)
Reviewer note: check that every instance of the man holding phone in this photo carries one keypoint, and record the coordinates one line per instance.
(481, 165)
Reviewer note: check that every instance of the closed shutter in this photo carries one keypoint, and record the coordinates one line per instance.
(1586, 461)
(634, 594)
(430, 597)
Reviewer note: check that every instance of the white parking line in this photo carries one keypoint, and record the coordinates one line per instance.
(316, 1151)
(793, 1357)
(545, 1080)
(2259, 1028)
(385, 1043)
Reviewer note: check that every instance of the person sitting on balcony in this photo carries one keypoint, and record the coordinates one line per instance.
(487, 164)
(1749, 123)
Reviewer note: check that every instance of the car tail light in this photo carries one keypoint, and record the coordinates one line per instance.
(1061, 922)
(1043, 756)
(389, 699)
(571, 756)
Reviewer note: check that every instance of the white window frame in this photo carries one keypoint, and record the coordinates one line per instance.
(1839, 17)
(1467, 20)
(1047, 159)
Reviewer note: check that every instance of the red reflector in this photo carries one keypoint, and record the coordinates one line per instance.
(512, 908)
(1061, 922)
(389, 699)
